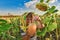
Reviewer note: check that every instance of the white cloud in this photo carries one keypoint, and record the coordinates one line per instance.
(58, 6)
(53, 1)
(28, 4)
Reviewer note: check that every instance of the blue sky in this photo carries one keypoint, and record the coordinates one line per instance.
(11, 4)
(15, 5)
(8, 4)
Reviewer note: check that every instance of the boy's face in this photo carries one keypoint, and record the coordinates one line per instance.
(29, 20)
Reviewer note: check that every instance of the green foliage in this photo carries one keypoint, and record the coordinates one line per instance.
(41, 0)
(58, 21)
(2, 21)
(15, 29)
(55, 11)
(46, 20)
(10, 31)
(42, 32)
(50, 23)
(4, 25)
(47, 1)
(52, 9)
(52, 26)
(15, 25)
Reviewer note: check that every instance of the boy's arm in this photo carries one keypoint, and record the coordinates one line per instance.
(39, 23)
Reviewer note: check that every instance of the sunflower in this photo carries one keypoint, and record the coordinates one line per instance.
(42, 6)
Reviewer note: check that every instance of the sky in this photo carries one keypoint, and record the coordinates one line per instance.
(21, 6)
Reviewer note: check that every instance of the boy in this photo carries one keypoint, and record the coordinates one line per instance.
(31, 18)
